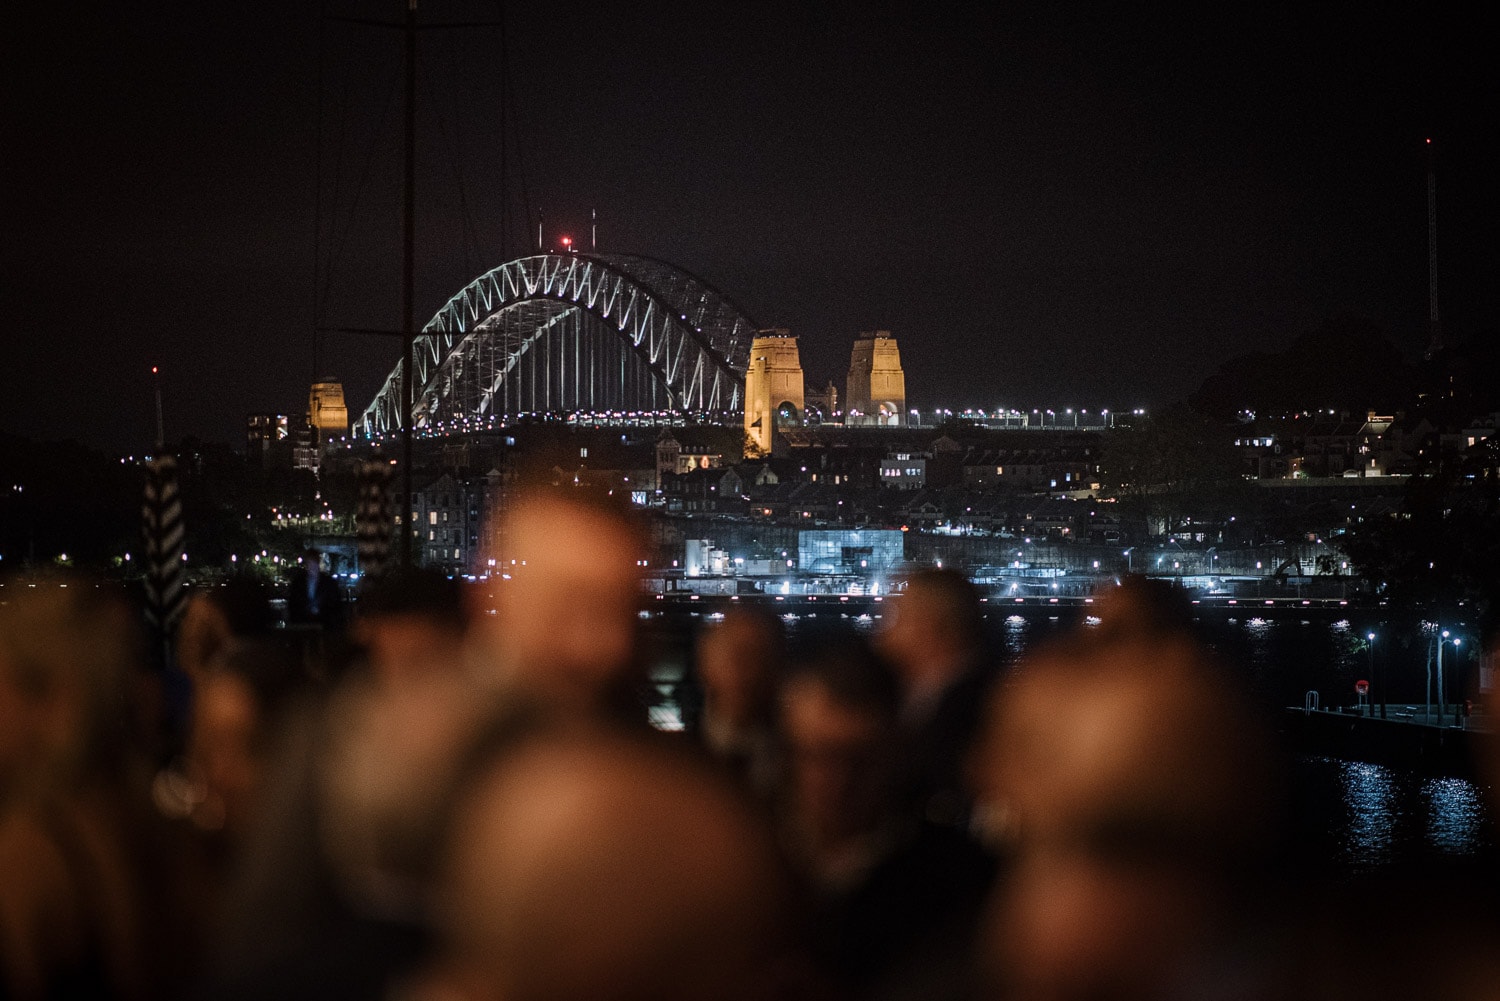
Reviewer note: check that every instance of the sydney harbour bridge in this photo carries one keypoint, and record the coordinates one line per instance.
(575, 333)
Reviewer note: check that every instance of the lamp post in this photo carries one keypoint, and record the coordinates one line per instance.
(1129, 560)
(1378, 690)
(1456, 644)
(1442, 639)
(1427, 705)
(1441, 689)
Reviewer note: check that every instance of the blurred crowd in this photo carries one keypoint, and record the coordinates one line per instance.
(455, 792)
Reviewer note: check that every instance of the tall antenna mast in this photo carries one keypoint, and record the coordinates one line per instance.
(593, 231)
(538, 231)
(161, 437)
(1434, 323)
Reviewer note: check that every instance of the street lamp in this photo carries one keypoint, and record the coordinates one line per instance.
(1378, 690)
(1442, 693)
(1129, 560)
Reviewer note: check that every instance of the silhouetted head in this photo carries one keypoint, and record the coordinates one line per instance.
(410, 621)
(739, 660)
(838, 718)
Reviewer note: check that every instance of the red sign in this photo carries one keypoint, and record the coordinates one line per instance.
(1362, 688)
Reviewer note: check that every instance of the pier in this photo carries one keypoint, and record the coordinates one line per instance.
(1414, 737)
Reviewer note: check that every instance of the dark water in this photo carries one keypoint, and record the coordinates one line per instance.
(1351, 818)
(1356, 817)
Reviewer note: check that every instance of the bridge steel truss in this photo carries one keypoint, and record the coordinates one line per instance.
(689, 342)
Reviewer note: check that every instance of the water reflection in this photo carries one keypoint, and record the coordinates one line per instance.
(1369, 800)
(1014, 638)
(1389, 815)
(1455, 815)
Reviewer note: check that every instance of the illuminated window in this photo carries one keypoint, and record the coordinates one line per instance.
(432, 517)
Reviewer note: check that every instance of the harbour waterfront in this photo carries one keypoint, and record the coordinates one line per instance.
(1351, 816)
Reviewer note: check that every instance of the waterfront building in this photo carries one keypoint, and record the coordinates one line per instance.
(267, 440)
(860, 551)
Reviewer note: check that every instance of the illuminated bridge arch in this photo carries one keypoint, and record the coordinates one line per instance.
(568, 332)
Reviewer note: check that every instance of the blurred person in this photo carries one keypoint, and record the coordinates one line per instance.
(839, 705)
(565, 627)
(409, 622)
(211, 618)
(895, 896)
(739, 660)
(933, 636)
(327, 902)
(392, 726)
(92, 902)
(217, 782)
(588, 864)
(1133, 795)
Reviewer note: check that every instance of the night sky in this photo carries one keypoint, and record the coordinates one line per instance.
(1047, 207)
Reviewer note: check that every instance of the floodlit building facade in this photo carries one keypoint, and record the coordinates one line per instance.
(773, 389)
(876, 389)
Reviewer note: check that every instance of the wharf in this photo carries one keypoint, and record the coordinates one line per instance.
(1413, 737)
(800, 600)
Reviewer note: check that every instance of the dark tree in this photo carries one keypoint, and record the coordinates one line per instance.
(1346, 364)
(1438, 555)
(1163, 461)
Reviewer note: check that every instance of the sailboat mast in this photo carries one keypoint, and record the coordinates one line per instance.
(408, 285)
